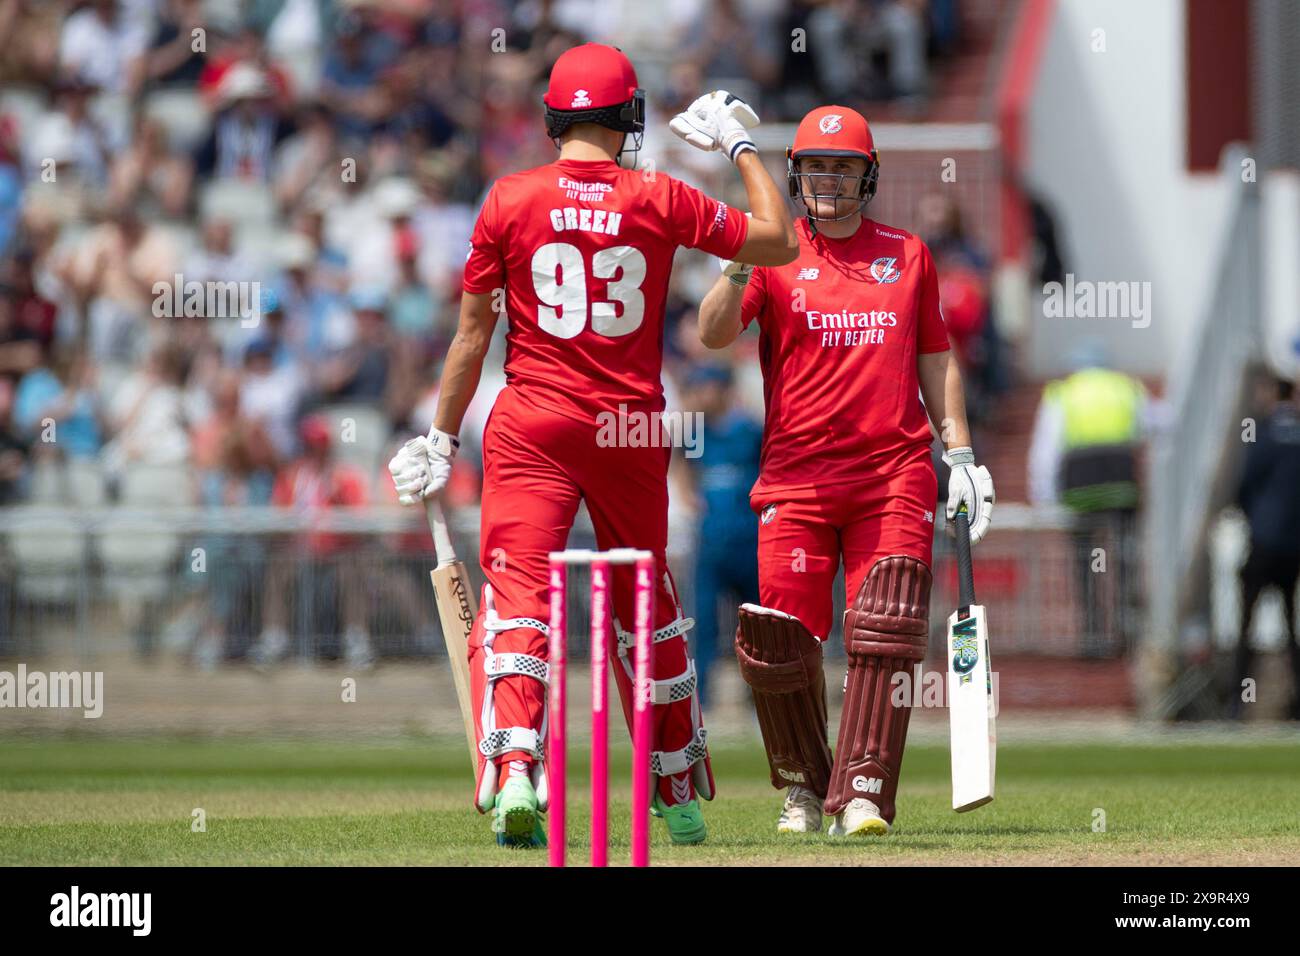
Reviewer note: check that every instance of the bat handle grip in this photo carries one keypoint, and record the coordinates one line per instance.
(438, 527)
(965, 573)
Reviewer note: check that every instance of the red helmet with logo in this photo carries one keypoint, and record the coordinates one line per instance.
(594, 83)
(834, 131)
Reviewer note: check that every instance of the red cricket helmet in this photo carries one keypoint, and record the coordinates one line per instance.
(594, 83)
(833, 131)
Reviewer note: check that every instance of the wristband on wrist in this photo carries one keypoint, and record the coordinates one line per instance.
(962, 455)
(443, 443)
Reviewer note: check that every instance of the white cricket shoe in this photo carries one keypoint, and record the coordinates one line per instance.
(860, 818)
(802, 812)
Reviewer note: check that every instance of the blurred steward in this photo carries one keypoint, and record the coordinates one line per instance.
(1084, 455)
(1269, 494)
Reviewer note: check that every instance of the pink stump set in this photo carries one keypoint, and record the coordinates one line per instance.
(600, 562)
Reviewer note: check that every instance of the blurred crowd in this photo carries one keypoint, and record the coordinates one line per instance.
(324, 160)
(327, 155)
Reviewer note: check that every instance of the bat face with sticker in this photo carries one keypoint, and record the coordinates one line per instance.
(971, 706)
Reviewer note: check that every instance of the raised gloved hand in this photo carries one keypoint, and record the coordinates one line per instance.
(970, 485)
(717, 120)
(422, 467)
(737, 272)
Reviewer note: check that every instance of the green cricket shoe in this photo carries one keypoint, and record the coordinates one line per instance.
(685, 821)
(515, 820)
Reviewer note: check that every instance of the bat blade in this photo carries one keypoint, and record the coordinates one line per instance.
(456, 611)
(971, 709)
(457, 608)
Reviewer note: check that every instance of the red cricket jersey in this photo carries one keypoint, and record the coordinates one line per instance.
(841, 328)
(584, 251)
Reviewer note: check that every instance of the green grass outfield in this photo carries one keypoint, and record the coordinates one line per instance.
(130, 802)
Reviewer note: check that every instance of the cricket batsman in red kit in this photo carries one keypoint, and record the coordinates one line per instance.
(583, 249)
(854, 355)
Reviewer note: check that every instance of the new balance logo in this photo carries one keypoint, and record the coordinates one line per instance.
(793, 776)
(808, 274)
(867, 784)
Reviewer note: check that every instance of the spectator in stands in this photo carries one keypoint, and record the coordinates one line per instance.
(146, 417)
(149, 175)
(271, 395)
(848, 34)
(31, 29)
(233, 455)
(112, 273)
(726, 555)
(33, 313)
(965, 276)
(360, 370)
(235, 464)
(510, 138)
(235, 45)
(410, 113)
(351, 75)
(171, 58)
(311, 306)
(57, 404)
(100, 44)
(442, 225)
(1269, 494)
(20, 346)
(329, 567)
(70, 137)
(11, 183)
(217, 259)
(734, 49)
(14, 448)
(413, 311)
(247, 128)
(309, 158)
(1084, 453)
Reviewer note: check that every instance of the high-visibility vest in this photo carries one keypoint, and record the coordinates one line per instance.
(1101, 412)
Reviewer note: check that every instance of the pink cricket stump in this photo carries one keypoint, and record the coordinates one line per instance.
(557, 712)
(642, 694)
(642, 727)
(599, 714)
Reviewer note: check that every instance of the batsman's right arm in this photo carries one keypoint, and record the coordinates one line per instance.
(464, 362)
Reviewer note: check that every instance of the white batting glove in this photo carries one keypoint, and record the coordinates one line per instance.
(717, 120)
(972, 486)
(420, 470)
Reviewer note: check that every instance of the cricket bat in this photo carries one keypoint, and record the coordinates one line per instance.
(971, 707)
(457, 608)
